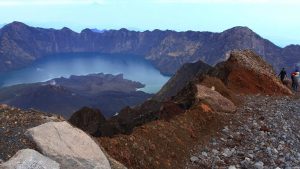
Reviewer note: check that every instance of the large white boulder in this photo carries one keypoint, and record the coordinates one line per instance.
(29, 159)
(69, 146)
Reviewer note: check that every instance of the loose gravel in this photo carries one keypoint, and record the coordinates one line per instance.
(264, 133)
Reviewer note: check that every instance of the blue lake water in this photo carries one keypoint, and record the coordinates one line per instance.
(133, 67)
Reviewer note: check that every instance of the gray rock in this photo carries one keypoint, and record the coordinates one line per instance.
(29, 159)
(227, 152)
(246, 163)
(215, 152)
(275, 151)
(194, 159)
(232, 167)
(69, 146)
(204, 154)
(259, 165)
(226, 129)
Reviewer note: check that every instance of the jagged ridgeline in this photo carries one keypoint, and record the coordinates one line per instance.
(167, 50)
(168, 127)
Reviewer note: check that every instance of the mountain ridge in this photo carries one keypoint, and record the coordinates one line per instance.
(167, 50)
(204, 108)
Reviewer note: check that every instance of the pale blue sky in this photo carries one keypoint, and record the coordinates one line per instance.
(276, 20)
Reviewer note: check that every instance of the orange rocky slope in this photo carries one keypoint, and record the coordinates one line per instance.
(167, 142)
(246, 72)
(163, 144)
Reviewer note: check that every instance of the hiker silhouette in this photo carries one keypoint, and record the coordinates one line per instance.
(282, 74)
(295, 80)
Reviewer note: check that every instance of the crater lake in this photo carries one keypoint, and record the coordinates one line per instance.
(63, 65)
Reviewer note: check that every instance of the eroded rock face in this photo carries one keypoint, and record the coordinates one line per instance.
(69, 146)
(29, 159)
(185, 74)
(214, 99)
(246, 72)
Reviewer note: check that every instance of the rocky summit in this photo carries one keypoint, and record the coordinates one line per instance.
(246, 72)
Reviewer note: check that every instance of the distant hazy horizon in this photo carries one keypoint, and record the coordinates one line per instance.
(275, 20)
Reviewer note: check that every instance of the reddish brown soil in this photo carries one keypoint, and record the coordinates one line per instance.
(248, 82)
(247, 73)
(164, 143)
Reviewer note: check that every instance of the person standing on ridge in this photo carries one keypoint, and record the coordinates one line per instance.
(295, 80)
(282, 74)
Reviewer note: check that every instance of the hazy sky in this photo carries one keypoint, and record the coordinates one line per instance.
(276, 20)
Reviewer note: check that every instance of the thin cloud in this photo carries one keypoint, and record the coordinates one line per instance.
(48, 2)
(227, 1)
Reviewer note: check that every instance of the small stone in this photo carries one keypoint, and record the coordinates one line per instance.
(282, 142)
(259, 165)
(227, 152)
(223, 139)
(204, 153)
(280, 147)
(226, 129)
(246, 163)
(214, 151)
(194, 159)
(275, 151)
(251, 156)
(232, 167)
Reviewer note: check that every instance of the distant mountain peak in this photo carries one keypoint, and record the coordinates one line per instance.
(66, 29)
(16, 25)
(292, 46)
(240, 29)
